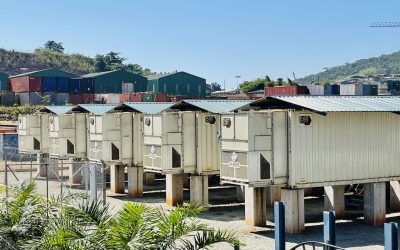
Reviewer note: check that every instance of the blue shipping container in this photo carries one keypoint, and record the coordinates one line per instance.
(331, 89)
(370, 89)
(48, 84)
(73, 85)
(61, 84)
(61, 98)
(86, 85)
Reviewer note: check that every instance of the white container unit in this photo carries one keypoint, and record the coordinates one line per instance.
(106, 133)
(67, 132)
(33, 133)
(312, 142)
(185, 138)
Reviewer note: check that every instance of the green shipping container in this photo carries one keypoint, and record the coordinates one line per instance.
(3, 81)
(111, 81)
(178, 83)
(147, 97)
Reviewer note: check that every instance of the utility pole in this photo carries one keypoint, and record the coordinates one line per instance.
(237, 81)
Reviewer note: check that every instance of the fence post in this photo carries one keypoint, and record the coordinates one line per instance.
(329, 229)
(103, 168)
(93, 182)
(86, 171)
(279, 218)
(391, 236)
(5, 171)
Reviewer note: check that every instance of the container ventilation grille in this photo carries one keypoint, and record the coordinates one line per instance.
(176, 158)
(114, 152)
(265, 168)
(70, 148)
(36, 144)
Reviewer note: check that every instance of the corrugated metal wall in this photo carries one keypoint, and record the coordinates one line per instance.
(349, 147)
(112, 82)
(181, 83)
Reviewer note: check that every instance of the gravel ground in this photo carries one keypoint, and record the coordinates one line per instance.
(227, 213)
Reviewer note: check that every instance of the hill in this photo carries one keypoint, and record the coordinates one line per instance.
(14, 62)
(384, 64)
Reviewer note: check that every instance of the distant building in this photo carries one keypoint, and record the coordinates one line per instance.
(177, 84)
(111, 81)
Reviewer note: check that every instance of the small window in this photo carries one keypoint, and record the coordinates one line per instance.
(176, 158)
(265, 168)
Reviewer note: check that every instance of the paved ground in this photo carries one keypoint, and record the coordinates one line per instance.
(225, 212)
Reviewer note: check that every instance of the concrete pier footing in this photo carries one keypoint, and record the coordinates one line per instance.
(149, 178)
(52, 167)
(255, 206)
(117, 179)
(394, 196)
(135, 181)
(199, 189)
(375, 203)
(273, 194)
(174, 189)
(293, 200)
(334, 200)
(75, 173)
(240, 193)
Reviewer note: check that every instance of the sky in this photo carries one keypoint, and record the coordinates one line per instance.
(214, 39)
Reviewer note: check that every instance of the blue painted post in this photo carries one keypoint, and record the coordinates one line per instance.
(391, 236)
(279, 217)
(329, 228)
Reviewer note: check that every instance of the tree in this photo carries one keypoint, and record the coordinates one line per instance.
(279, 81)
(215, 87)
(100, 63)
(54, 46)
(267, 79)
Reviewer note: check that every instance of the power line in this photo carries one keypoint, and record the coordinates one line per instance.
(385, 25)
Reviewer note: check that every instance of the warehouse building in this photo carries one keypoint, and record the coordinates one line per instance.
(177, 84)
(111, 81)
(3, 81)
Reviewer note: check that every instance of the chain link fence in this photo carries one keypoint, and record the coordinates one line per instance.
(54, 175)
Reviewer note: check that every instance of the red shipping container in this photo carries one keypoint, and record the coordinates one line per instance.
(26, 84)
(124, 98)
(286, 90)
(161, 97)
(75, 98)
(87, 98)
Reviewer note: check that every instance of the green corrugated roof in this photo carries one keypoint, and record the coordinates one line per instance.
(91, 75)
(3, 74)
(157, 76)
(56, 109)
(43, 73)
(144, 107)
(96, 109)
(212, 106)
(323, 104)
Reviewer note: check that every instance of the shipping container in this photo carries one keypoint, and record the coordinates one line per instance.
(351, 89)
(86, 85)
(48, 84)
(4, 82)
(112, 98)
(9, 146)
(62, 84)
(161, 97)
(393, 85)
(128, 87)
(29, 98)
(61, 98)
(370, 89)
(132, 97)
(26, 84)
(7, 98)
(287, 146)
(48, 98)
(331, 89)
(87, 98)
(75, 98)
(286, 90)
(148, 97)
(73, 85)
(316, 89)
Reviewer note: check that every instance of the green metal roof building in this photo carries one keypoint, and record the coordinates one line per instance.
(111, 81)
(3, 81)
(48, 72)
(179, 83)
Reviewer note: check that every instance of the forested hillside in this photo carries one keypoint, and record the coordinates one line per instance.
(384, 64)
(52, 55)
